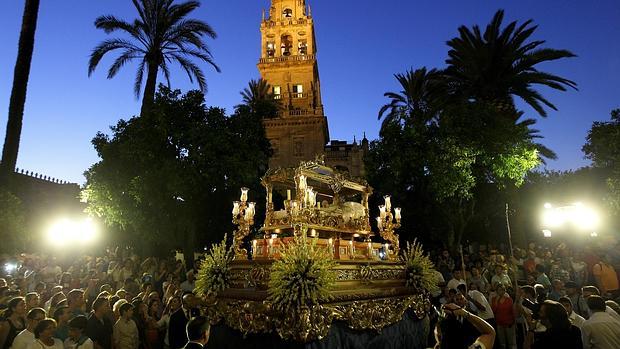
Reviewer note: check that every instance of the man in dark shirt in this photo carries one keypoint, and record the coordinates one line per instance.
(177, 335)
(99, 328)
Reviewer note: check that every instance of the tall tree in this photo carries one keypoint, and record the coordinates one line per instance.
(500, 63)
(18, 92)
(603, 148)
(161, 35)
(169, 180)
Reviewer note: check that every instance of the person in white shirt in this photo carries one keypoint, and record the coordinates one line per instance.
(26, 337)
(601, 330)
(125, 334)
(481, 302)
(457, 279)
(43, 335)
(574, 318)
(77, 334)
(190, 283)
(588, 291)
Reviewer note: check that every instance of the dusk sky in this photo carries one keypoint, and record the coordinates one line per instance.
(361, 44)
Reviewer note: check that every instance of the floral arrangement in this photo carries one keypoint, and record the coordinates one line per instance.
(302, 277)
(419, 268)
(214, 272)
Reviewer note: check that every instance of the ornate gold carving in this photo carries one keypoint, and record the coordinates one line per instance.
(312, 323)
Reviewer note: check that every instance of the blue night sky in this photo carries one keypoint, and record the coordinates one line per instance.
(362, 43)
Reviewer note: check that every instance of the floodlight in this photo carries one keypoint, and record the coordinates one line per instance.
(547, 233)
(548, 205)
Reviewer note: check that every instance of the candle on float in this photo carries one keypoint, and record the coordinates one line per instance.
(254, 243)
(235, 210)
(379, 223)
(318, 205)
(382, 211)
(244, 194)
(388, 203)
(249, 212)
(397, 214)
(288, 194)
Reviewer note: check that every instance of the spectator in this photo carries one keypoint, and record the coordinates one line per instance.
(26, 337)
(606, 277)
(13, 322)
(557, 290)
(593, 291)
(456, 280)
(43, 334)
(601, 330)
(190, 283)
(481, 283)
(573, 317)
(77, 334)
(178, 320)
(99, 327)
(448, 334)
(197, 330)
(174, 304)
(560, 333)
(580, 306)
(501, 278)
(61, 315)
(542, 278)
(75, 302)
(480, 301)
(125, 330)
(32, 301)
(503, 309)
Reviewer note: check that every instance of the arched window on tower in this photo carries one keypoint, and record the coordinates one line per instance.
(287, 13)
(286, 45)
(271, 49)
(302, 47)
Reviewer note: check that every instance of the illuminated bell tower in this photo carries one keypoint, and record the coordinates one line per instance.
(288, 63)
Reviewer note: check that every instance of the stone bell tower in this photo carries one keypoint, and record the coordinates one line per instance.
(288, 63)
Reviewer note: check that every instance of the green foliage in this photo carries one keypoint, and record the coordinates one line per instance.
(162, 180)
(302, 277)
(162, 34)
(12, 222)
(214, 272)
(451, 136)
(603, 148)
(419, 267)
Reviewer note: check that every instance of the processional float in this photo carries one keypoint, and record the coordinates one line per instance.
(325, 215)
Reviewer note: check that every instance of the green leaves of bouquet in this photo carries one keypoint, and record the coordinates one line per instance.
(214, 272)
(419, 268)
(302, 277)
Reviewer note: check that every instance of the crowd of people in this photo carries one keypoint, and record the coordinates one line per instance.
(535, 297)
(105, 302)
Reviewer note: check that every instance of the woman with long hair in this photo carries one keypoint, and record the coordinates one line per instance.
(12, 321)
(560, 332)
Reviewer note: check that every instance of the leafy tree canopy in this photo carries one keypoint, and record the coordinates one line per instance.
(170, 179)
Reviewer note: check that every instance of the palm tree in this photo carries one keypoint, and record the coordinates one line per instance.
(259, 97)
(18, 92)
(161, 35)
(417, 102)
(501, 63)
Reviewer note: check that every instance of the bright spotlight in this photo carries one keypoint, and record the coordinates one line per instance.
(66, 231)
(553, 218)
(593, 234)
(547, 233)
(548, 205)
